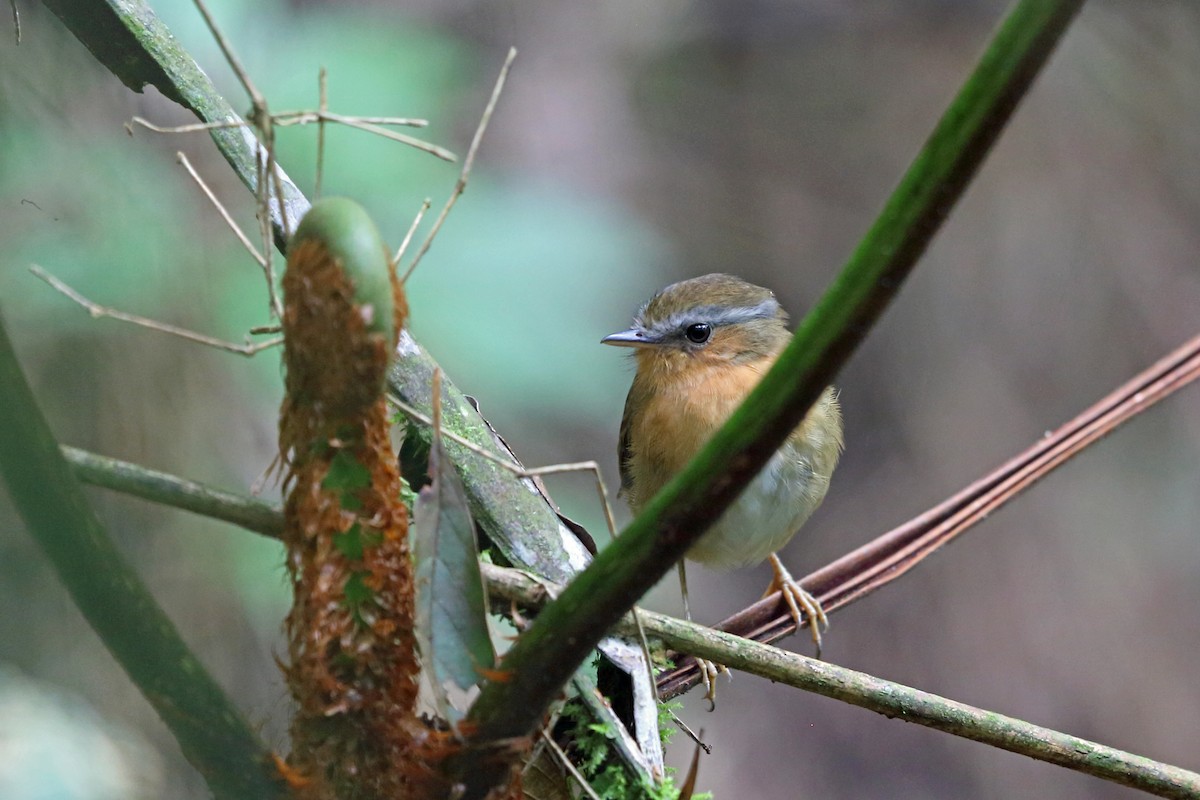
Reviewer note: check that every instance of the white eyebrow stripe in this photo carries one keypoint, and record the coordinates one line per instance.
(718, 315)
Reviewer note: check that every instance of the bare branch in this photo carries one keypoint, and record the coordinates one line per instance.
(323, 102)
(233, 226)
(468, 162)
(408, 237)
(235, 64)
(97, 311)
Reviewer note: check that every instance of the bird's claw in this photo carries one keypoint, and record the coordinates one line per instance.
(709, 671)
(801, 604)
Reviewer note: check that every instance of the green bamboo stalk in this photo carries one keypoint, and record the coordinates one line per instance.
(544, 657)
(213, 735)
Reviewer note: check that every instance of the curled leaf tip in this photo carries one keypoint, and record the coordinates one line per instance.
(346, 233)
(343, 307)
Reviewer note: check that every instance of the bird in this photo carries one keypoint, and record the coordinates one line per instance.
(700, 346)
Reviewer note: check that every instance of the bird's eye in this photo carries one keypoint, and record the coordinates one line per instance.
(698, 333)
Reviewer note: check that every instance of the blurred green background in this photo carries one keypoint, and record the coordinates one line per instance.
(637, 144)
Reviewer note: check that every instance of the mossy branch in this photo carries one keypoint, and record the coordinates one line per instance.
(210, 730)
(893, 700)
(545, 656)
(515, 517)
(129, 40)
(890, 699)
(162, 487)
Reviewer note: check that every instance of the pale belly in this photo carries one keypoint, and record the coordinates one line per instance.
(676, 423)
(765, 516)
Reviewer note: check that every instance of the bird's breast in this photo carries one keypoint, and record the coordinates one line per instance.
(680, 413)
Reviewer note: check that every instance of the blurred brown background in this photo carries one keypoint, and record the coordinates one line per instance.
(638, 144)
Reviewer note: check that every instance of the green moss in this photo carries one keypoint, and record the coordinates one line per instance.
(591, 751)
(407, 495)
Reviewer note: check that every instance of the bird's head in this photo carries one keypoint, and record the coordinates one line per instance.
(714, 318)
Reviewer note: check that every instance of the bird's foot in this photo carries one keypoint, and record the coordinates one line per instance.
(802, 604)
(709, 670)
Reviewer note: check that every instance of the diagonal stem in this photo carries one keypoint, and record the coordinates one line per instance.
(893, 554)
(545, 655)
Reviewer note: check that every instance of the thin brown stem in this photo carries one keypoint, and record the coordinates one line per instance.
(323, 101)
(225, 215)
(97, 311)
(893, 554)
(412, 229)
(234, 62)
(461, 185)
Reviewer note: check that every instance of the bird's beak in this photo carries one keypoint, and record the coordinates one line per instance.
(634, 337)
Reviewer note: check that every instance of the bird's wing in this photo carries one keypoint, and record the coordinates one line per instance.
(625, 450)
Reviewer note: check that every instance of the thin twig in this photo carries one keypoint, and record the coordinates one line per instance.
(225, 215)
(235, 64)
(691, 734)
(583, 466)
(195, 127)
(515, 469)
(461, 185)
(420, 144)
(412, 228)
(97, 311)
(566, 762)
(323, 102)
(413, 413)
(268, 131)
(16, 15)
(283, 119)
(262, 200)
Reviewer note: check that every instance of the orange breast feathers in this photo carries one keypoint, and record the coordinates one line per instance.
(680, 410)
